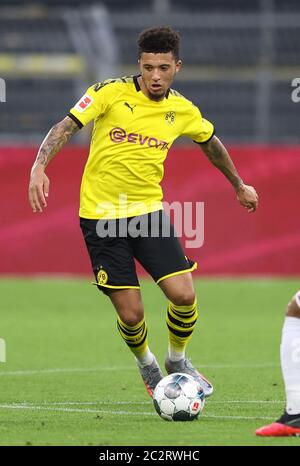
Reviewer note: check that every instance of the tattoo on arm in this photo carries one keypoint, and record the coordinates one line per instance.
(218, 155)
(57, 137)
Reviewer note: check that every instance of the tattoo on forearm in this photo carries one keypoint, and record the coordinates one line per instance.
(218, 155)
(57, 137)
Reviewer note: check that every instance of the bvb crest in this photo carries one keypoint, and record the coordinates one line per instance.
(170, 118)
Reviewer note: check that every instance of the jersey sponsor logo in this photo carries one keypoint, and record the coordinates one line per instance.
(170, 117)
(118, 135)
(84, 103)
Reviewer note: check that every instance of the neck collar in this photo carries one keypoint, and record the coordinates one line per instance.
(138, 87)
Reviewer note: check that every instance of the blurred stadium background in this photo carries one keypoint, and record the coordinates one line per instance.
(240, 58)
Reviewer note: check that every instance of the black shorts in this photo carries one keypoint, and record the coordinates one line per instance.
(150, 239)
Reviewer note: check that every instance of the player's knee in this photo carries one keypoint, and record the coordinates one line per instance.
(293, 307)
(184, 298)
(132, 317)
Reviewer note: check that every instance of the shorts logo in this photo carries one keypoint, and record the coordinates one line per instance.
(170, 118)
(83, 103)
(102, 277)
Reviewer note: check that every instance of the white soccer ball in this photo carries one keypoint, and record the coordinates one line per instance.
(178, 397)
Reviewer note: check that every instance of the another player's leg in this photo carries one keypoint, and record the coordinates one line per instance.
(289, 423)
(133, 329)
(181, 320)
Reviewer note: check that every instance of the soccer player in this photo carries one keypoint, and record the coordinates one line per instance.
(136, 120)
(289, 422)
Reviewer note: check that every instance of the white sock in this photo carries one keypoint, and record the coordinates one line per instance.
(290, 363)
(175, 355)
(146, 359)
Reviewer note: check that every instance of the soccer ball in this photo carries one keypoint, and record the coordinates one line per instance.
(178, 397)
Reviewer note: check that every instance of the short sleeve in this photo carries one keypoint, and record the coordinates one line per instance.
(92, 104)
(197, 127)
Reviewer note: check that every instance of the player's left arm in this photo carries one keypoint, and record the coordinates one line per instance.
(220, 158)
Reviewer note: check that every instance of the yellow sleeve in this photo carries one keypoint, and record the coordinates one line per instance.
(197, 127)
(92, 104)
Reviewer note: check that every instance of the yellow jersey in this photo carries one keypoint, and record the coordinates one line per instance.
(131, 138)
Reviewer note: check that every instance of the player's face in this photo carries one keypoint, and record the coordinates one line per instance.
(158, 71)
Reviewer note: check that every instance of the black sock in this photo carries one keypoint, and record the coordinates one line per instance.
(292, 420)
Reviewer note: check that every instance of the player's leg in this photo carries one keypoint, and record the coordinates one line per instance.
(163, 257)
(114, 268)
(182, 314)
(131, 322)
(289, 423)
(133, 329)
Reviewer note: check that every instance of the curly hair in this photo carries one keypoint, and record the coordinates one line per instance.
(161, 39)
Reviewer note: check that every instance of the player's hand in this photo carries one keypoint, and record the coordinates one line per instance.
(248, 197)
(38, 189)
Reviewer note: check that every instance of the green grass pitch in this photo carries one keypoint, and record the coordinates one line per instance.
(69, 379)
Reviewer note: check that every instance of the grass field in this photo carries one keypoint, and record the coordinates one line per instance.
(70, 380)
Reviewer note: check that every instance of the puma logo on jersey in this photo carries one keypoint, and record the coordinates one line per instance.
(129, 106)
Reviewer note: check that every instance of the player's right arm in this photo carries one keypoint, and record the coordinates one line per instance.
(93, 103)
(57, 137)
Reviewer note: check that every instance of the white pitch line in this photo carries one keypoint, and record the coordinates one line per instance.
(73, 410)
(67, 369)
(126, 413)
(247, 401)
(243, 418)
(81, 403)
(233, 366)
(137, 403)
(127, 368)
